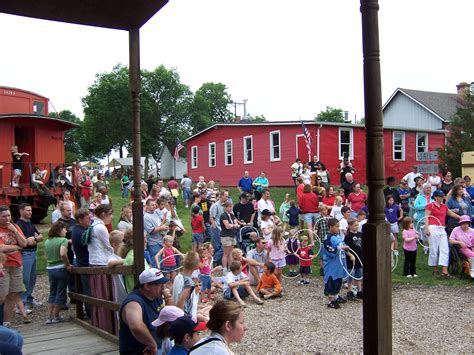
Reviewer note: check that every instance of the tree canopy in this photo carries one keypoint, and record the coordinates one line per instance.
(460, 137)
(209, 106)
(331, 114)
(72, 148)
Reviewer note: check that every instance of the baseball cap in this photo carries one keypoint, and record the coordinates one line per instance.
(152, 276)
(266, 212)
(465, 219)
(438, 193)
(185, 325)
(168, 314)
(244, 195)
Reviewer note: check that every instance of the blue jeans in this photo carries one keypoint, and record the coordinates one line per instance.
(207, 233)
(11, 341)
(29, 275)
(153, 250)
(58, 280)
(125, 192)
(216, 244)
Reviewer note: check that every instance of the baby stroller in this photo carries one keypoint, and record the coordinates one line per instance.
(246, 237)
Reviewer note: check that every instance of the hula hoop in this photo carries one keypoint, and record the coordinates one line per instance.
(394, 258)
(290, 277)
(249, 228)
(167, 257)
(315, 237)
(416, 228)
(341, 251)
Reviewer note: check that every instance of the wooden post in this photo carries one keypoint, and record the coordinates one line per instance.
(137, 206)
(377, 309)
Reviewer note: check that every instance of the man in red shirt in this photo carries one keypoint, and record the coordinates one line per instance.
(12, 241)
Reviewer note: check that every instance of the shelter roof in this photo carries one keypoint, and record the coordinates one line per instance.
(65, 124)
(121, 15)
(129, 161)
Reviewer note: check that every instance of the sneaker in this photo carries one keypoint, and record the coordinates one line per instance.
(266, 296)
(334, 305)
(301, 282)
(258, 301)
(415, 275)
(409, 276)
(49, 321)
(27, 310)
(58, 319)
(33, 304)
(305, 282)
(339, 299)
(351, 296)
(359, 295)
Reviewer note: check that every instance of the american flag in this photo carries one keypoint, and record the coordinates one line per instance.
(307, 138)
(179, 146)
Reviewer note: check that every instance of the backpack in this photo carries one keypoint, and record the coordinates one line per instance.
(86, 236)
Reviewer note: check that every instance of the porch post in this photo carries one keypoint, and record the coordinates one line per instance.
(137, 206)
(377, 310)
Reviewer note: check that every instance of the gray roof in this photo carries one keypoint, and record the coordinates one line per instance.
(443, 104)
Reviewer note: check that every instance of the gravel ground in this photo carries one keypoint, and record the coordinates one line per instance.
(425, 320)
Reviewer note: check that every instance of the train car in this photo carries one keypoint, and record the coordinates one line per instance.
(24, 122)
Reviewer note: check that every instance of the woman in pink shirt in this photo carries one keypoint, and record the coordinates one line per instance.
(356, 200)
(435, 214)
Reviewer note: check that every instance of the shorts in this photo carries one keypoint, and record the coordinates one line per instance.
(310, 217)
(12, 281)
(279, 262)
(187, 195)
(168, 269)
(205, 282)
(228, 295)
(305, 270)
(332, 287)
(17, 172)
(198, 238)
(228, 241)
(357, 273)
(394, 228)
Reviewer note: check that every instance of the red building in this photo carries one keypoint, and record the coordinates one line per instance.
(224, 151)
(24, 122)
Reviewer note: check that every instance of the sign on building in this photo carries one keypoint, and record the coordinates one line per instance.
(427, 156)
(427, 168)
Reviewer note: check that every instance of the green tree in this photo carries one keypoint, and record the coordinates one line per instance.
(331, 114)
(460, 137)
(258, 118)
(72, 148)
(209, 106)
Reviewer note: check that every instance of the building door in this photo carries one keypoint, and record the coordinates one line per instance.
(301, 149)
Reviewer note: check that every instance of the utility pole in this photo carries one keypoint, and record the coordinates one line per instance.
(235, 104)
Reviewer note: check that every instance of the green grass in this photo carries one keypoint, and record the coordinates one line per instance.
(277, 194)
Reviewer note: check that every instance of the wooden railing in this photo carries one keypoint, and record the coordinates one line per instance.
(82, 299)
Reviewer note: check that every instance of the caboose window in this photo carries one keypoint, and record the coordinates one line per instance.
(38, 108)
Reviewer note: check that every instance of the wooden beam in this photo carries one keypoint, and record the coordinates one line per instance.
(377, 302)
(137, 206)
(108, 270)
(95, 301)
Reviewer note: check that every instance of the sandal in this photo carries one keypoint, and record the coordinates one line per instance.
(446, 276)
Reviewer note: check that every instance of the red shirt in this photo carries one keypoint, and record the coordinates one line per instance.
(438, 214)
(196, 224)
(172, 184)
(304, 254)
(357, 201)
(299, 191)
(329, 200)
(309, 203)
(8, 238)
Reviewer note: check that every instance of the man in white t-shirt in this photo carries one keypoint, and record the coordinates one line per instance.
(435, 182)
(410, 177)
(265, 204)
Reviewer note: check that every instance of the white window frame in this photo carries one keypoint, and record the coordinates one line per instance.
(351, 143)
(272, 158)
(227, 153)
(194, 157)
(245, 149)
(418, 134)
(296, 145)
(212, 158)
(402, 150)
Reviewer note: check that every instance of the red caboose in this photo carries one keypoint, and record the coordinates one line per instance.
(24, 122)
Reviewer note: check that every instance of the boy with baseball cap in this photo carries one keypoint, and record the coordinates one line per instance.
(185, 333)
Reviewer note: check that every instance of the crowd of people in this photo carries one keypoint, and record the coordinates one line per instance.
(243, 250)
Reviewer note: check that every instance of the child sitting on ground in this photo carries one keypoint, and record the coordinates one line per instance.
(238, 285)
(306, 260)
(333, 270)
(353, 240)
(168, 263)
(291, 259)
(238, 255)
(269, 286)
